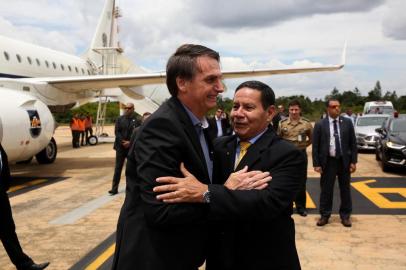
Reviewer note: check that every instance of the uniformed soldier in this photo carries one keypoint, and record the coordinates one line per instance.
(297, 130)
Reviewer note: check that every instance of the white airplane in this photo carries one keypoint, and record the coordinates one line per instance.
(35, 81)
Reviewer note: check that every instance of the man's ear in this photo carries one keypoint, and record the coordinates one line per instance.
(271, 111)
(181, 83)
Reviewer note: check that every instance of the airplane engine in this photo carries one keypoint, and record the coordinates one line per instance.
(26, 127)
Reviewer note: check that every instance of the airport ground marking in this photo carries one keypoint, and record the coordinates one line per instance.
(28, 184)
(102, 258)
(374, 194)
(309, 202)
(87, 208)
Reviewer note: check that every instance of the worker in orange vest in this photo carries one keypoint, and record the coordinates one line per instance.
(88, 127)
(75, 128)
(82, 129)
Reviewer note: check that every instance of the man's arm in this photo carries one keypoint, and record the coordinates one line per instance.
(316, 144)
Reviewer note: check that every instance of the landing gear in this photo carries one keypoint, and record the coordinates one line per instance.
(48, 154)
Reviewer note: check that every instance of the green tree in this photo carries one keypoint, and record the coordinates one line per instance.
(376, 93)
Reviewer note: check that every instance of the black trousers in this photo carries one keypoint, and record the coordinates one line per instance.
(120, 158)
(335, 167)
(75, 138)
(8, 234)
(300, 200)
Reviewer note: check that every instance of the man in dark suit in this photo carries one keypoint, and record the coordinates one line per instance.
(7, 227)
(218, 125)
(252, 229)
(123, 130)
(334, 154)
(152, 234)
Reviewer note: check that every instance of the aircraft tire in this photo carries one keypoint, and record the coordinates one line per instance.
(48, 154)
(92, 140)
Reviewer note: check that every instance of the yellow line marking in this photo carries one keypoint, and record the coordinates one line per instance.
(375, 194)
(309, 202)
(28, 184)
(102, 258)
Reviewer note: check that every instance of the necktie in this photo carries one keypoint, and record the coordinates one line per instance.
(205, 149)
(243, 150)
(337, 139)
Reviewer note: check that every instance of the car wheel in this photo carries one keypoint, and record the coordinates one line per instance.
(385, 166)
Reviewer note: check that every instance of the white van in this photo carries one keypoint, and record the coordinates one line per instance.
(378, 107)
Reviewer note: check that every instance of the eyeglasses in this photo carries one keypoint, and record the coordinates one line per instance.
(334, 106)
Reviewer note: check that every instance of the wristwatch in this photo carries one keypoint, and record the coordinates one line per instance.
(206, 196)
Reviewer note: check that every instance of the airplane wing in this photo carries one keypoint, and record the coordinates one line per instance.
(97, 82)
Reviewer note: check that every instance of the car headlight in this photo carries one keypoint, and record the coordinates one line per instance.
(394, 145)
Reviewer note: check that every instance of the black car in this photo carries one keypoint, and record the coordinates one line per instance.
(391, 144)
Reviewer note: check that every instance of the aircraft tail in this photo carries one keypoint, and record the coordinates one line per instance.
(105, 47)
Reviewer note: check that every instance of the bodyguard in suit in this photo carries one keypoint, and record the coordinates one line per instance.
(218, 126)
(152, 235)
(251, 229)
(334, 155)
(123, 130)
(8, 234)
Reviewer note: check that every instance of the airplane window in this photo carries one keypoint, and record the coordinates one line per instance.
(46, 63)
(88, 72)
(38, 62)
(62, 67)
(70, 69)
(76, 69)
(6, 56)
(83, 71)
(54, 65)
(29, 60)
(18, 58)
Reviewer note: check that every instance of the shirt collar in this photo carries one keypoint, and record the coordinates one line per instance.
(254, 139)
(195, 121)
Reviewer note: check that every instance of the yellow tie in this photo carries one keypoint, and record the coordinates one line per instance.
(243, 150)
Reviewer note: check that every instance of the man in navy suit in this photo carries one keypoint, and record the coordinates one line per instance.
(251, 228)
(218, 125)
(8, 234)
(334, 154)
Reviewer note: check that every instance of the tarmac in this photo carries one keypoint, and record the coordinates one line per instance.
(64, 215)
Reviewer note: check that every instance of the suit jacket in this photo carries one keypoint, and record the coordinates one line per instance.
(150, 233)
(225, 126)
(321, 142)
(5, 171)
(123, 130)
(257, 231)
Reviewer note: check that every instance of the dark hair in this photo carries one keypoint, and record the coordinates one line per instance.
(183, 64)
(295, 102)
(267, 94)
(330, 99)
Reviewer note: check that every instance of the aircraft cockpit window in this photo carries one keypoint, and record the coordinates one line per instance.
(6, 56)
(62, 67)
(29, 60)
(38, 62)
(46, 63)
(35, 123)
(18, 58)
(54, 65)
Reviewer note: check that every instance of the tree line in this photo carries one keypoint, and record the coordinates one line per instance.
(350, 99)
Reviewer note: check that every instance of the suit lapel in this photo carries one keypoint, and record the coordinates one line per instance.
(191, 133)
(254, 151)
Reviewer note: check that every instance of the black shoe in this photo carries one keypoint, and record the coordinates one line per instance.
(35, 266)
(113, 192)
(346, 222)
(322, 221)
(302, 212)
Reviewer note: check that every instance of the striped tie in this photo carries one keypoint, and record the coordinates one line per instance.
(243, 150)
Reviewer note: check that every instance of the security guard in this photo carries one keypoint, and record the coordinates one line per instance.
(297, 130)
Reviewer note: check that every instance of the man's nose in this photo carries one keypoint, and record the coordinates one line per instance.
(219, 86)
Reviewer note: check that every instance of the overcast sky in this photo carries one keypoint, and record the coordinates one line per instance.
(248, 34)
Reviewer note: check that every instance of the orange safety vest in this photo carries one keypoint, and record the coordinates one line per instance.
(74, 124)
(81, 123)
(88, 122)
